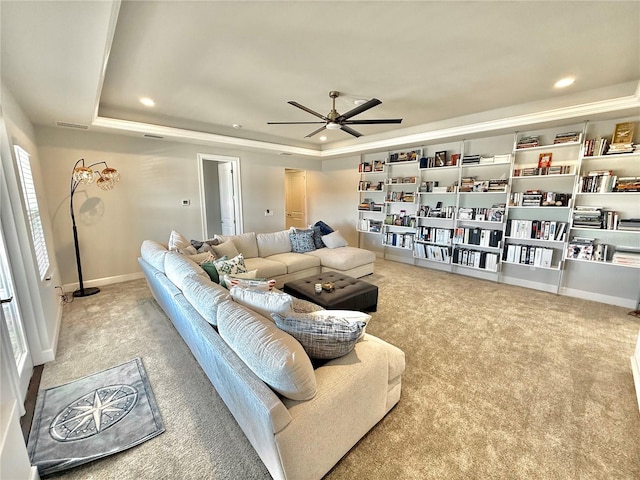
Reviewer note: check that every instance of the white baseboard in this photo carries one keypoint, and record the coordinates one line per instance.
(635, 368)
(521, 282)
(101, 282)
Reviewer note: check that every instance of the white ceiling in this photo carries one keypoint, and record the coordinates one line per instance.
(210, 64)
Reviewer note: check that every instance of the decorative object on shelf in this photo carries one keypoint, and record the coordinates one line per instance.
(106, 180)
(622, 141)
(544, 160)
(441, 158)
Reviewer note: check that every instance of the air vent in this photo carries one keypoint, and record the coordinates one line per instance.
(72, 125)
(149, 135)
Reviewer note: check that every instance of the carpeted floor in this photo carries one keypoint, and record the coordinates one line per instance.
(501, 382)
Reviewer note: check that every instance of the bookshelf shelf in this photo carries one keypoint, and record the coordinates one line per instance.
(471, 267)
(549, 147)
(536, 241)
(544, 177)
(478, 247)
(596, 262)
(533, 267)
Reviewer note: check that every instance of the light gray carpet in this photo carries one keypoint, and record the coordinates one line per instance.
(501, 382)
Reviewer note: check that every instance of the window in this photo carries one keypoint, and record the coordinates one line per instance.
(33, 212)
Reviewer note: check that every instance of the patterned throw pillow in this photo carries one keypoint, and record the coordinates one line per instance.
(322, 338)
(302, 241)
(317, 237)
(232, 266)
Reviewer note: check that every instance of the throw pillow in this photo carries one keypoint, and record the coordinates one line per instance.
(231, 267)
(212, 271)
(205, 245)
(180, 243)
(322, 338)
(302, 241)
(228, 280)
(324, 228)
(253, 283)
(261, 301)
(317, 236)
(227, 248)
(334, 240)
(351, 315)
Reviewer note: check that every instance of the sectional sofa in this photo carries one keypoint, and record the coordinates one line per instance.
(301, 419)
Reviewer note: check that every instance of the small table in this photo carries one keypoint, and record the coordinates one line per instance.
(349, 293)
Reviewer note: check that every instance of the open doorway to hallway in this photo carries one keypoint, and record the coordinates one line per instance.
(295, 189)
(220, 195)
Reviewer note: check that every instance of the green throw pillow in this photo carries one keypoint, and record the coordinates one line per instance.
(212, 271)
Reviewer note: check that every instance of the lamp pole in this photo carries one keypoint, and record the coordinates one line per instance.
(76, 180)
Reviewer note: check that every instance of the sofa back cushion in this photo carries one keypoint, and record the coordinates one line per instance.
(273, 355)
(273, 243)
(205, 296)
(245, 243)
(153, 253)
(264, 302)
(177, 267)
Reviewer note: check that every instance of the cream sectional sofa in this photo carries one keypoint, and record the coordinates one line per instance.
(300, 420)
(271, 254)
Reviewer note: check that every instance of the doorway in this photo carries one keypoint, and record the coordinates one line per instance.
(220, 195)
(295, 189)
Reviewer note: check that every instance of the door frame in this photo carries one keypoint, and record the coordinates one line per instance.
(237, 201)
(288, 171)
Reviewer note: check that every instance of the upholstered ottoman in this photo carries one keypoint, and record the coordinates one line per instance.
(349, 293)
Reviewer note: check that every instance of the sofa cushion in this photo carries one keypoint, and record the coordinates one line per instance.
(302, 241)
(273, 355)
(153, 253)
(245, 243)
(262, 301)
(296, 262)
(343, 258)
(205, 296)
(177, 267)
(266, 268)
(273, 243)
(334, 240)
(180, 243)
(323, 338)
(225, 249)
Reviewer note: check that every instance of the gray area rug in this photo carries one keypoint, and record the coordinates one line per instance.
(93, 417)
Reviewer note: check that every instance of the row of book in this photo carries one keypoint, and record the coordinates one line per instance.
(496, 185)
(626, 256)
(440, 236)
(369, 205)
(536, 229)
(628, 184)
(534, 140)
(376, 166)
(476, 259)
(406, 197)
(494, 213)
(370, 225)
(399, 239)
(439, 211)
(594, 147)
(533, 171)
(435, 253)
(598, 181)
(400, 219)
(595, 217)
(538, 198)
(529, 255)
(477, 236)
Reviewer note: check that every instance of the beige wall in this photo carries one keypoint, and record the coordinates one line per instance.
(147, 203)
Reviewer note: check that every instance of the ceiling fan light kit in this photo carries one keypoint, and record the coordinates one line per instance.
(334, 121)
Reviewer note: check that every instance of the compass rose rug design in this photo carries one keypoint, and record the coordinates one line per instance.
(93, 417)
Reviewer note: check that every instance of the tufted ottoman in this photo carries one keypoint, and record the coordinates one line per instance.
(349, 294)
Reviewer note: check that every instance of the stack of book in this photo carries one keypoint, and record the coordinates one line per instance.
(470, 159)
(532, 198)
(628, 184)
(620, 148)
(629, 224)
(595, 147)
(467, 183)
(528, 142)
(497, 185)
(567, 137)
(598, 181)
(587, 217)
(627, 256)
(580, 248)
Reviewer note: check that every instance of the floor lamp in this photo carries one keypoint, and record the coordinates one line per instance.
(106, 180)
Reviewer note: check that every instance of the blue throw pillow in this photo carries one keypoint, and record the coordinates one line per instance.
(324, 228)
(302, 241)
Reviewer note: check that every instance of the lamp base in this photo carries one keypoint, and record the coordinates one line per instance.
(85, 292)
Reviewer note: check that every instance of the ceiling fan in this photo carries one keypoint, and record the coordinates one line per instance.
(334, 121)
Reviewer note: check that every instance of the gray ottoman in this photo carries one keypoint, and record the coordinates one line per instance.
(349, 294)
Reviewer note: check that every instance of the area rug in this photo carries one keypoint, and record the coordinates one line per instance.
(90, 418)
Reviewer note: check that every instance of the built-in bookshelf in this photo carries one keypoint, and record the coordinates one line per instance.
(562, 210)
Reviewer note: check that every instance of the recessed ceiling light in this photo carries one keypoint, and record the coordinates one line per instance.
(236, 126)
(323, 138)
(564, 82)
(147, 102)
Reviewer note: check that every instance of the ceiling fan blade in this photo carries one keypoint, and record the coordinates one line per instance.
(373, 122)
(351, 131)
(308, 110)
(292, 123)
(359, 109)
(316, 131)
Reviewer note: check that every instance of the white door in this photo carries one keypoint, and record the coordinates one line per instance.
(227, 198)
(295, 198)
(14, 341)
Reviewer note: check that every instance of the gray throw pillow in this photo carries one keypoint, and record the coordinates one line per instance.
(322, 338)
